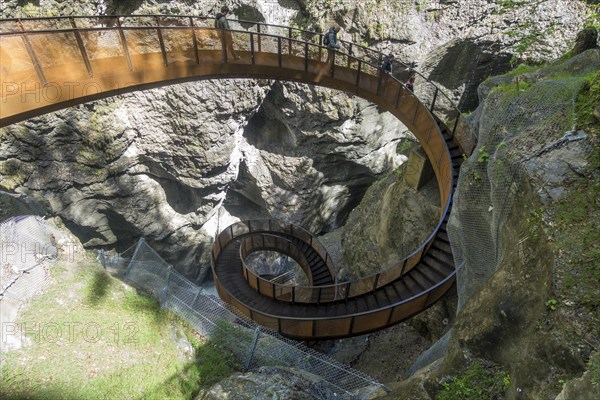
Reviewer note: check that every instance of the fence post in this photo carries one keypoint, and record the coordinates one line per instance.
(163, 302)
(196, 297)
(194, 40)
(252, 51)
(252, 349)
(127, 273)
(435, 94)
(101, 258)
(124, 44)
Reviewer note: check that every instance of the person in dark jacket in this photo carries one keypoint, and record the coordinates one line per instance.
(332, 37)
(386, 65)
(331, 41)
(222, 23)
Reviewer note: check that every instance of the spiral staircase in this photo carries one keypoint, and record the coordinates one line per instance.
(47, 64)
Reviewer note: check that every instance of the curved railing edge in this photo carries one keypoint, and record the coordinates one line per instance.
(300, 259)
(345, 295)
(466, 148)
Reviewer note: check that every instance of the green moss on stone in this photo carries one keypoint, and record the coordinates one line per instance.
(476, 383)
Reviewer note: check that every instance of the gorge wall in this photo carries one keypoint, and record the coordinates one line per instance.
(179, 163)
(524, 230)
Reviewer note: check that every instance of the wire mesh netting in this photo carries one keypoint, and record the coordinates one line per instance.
(518, 122)
(26, 243)
(253, 345)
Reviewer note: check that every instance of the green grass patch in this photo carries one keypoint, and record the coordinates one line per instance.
(476, 383)
(91, 336)
(523, 69)
(510, 88)
(212, 363)
(577, 217)
(587, 101)
(578, 238)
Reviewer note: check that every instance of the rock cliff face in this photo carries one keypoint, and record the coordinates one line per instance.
(391, 222)
(457, 43)
(272, 382)
(114, 172)
(524, 301)
(177, 164)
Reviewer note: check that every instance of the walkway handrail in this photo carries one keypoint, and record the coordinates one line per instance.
(325, 293)
(330, 323)
(288, 248)
(453, 117)
(265, 226)
(384, 79)
(78, 33)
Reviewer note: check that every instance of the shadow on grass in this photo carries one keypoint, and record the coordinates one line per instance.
(14, 386)
(143, 303)
(137, 301)
(212, 363)
(44, 395)
(97, 288)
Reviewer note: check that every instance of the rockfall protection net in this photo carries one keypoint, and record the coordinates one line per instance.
(253, 345)
(26, 244)
(518, 124)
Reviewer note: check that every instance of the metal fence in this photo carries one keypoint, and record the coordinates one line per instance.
(26, 244)
(253, 345)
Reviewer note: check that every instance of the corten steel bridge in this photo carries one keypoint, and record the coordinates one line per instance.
(47, 64)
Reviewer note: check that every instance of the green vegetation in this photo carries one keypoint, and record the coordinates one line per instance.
(404, 146)
(535, 223)
(421, 5)
(97, 135)
(100, 135)
(522, 69)
(578, 236)
(528, 35)
(476, 383)
(483, 155)
(593, 16)
(577, 216)
(587, 102)
(91, 336)
(514, 87)
(551, 304)
(30, 10)
(300, 23)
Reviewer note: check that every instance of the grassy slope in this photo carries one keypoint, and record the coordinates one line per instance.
(113, 344)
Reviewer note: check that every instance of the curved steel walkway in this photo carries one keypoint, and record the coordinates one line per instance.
(48, 64)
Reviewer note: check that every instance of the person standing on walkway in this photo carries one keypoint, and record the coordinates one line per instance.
(330, 41)
(385, 72)
(410, 83)
(386, 64)
(222, 23)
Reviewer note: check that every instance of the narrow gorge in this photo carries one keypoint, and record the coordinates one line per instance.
(175, 165)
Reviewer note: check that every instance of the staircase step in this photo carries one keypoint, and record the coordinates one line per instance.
(442, 245)
(412, 286)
